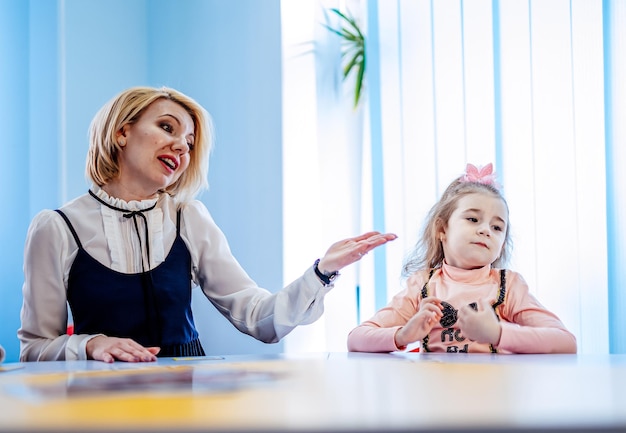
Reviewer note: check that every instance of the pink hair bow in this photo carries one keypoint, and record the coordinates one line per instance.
(484, 175)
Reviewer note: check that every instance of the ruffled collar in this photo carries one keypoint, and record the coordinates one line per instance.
(130, 211)
(472, 276)
(133, 205)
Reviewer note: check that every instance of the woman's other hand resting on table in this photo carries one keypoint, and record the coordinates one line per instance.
(108, 349)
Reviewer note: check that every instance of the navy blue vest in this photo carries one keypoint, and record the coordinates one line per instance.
(152, 307)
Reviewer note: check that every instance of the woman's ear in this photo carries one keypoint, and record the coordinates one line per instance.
(120, 136)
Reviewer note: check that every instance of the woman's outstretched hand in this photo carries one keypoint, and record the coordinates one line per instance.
(345, 252)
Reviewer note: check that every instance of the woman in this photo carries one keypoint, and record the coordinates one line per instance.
(125, 255)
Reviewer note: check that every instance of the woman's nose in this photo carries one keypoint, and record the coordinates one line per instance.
(180, 145)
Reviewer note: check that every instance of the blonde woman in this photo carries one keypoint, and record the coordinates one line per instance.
(125, 255)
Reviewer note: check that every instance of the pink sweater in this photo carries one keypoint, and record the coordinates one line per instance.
(527, 326)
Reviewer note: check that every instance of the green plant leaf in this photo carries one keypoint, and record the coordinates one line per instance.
(348, 67)
(353, 50)
(359, 83)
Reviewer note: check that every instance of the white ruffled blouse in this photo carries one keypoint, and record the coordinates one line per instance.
(114, 241)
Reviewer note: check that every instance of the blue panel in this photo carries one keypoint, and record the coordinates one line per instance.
(14, 174)
(497, 91)
(105, 51)
(616, 277)
(378, 199)
(44, 107)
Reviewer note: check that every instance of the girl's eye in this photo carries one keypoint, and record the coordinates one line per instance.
(472, 219)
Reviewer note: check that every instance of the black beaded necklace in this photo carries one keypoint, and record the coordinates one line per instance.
(450, 313)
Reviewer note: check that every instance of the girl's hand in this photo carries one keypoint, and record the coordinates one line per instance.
(108, 349)
(421, 323)
(347, 251)
(480, 325)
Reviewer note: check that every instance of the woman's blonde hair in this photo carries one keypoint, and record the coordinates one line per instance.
(126, 108)
(428, 252)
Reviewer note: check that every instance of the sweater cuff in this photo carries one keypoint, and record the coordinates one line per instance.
(76, 348)
(507, 335)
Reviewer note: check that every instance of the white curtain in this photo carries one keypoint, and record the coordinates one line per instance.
(520, 84)
(517, 83)
(322, 164)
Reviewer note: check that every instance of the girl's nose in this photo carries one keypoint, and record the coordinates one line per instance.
(484, 229)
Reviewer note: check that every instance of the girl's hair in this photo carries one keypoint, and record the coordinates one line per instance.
(126, 108)
(428, 251)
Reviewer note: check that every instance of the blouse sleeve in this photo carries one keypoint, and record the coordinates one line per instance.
(378, 333)
(47, 259)
(529, 327)
(256, 311)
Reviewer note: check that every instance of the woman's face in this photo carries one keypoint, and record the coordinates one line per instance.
(155, 150)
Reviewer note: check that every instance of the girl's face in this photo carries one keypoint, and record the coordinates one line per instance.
(476, 231)
(156, 151)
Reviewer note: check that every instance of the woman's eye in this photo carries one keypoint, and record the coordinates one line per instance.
(190, 145)
(166, 127)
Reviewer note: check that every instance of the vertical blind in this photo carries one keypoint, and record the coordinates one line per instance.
(532, 86)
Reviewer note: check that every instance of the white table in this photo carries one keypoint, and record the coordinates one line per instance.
(320, 392)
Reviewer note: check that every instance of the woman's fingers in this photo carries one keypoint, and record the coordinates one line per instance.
(348, 251)
(108, 349)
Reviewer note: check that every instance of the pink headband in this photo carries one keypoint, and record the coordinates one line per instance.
(484, 175)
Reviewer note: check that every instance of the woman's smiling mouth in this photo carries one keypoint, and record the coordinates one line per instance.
(169, 162)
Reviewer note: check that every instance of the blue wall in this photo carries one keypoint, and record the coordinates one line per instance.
(14, 176)
(61, 60)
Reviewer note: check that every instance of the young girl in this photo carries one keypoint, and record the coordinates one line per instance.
(457, 299)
